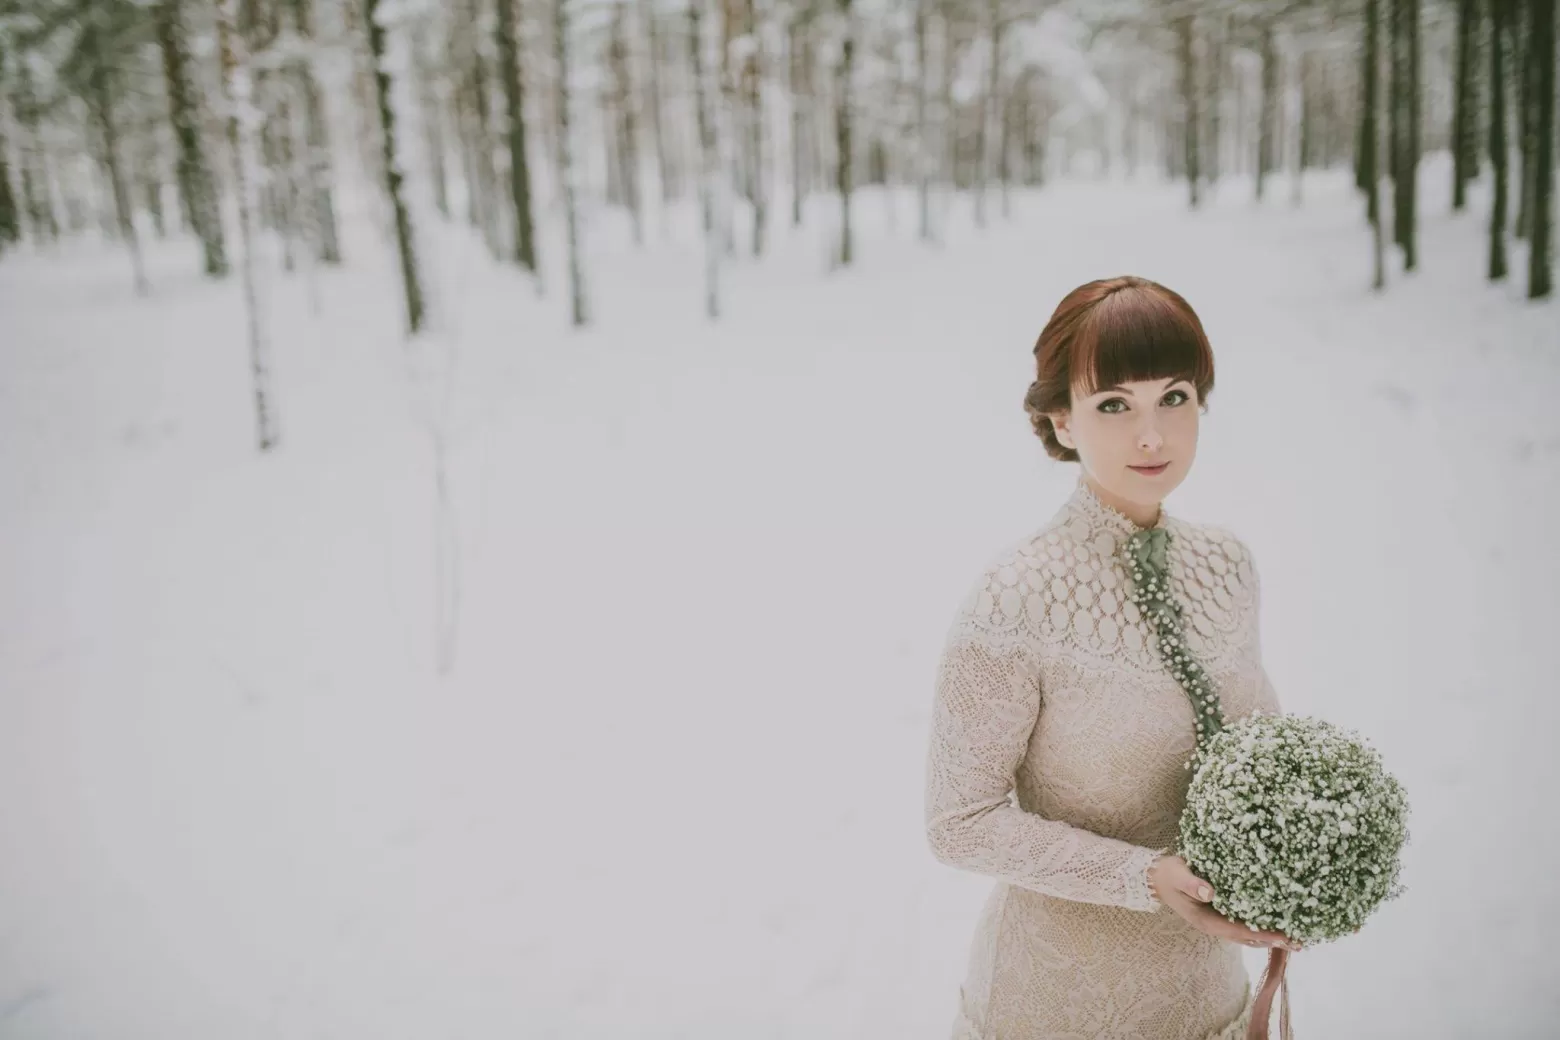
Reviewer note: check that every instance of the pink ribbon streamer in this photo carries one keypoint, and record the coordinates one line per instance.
(1273, 979)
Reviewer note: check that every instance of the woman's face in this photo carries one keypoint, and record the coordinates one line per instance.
(1121, 432)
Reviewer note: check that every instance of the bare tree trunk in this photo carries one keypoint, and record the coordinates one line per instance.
(656, 48)
(102, 106)
(803, 160)
(514, 101)
(242, 119)
(1370, 140)
(1368, 168)
(1308, 115)
(1500, 14)
(1268, 115)
(1130, 144)
(1396, 104)
(146, 170)
(1464, 154)
(923, 149)
(281, 180)
(273, 212)
(1541, 34)
(1218, 59)
(37, 190)
(1413, 137)
(429, 99)
(411, 276)
(1405, 115)
(1189, 103)
(1527, 111)
(567, 165)
(320, 167)
(10, 216)
(733, 153)
(192, 173)
(989, 100)
(1294, 63)
(316, 200)
(752, 106)
(464, 136)
(73, 194)
(626, 127)
(300, 180)
(1004, 115)
(709, 172)
(485, 208)
(948, 146)
(844, 163)
(1363, 128)
(1036, 115)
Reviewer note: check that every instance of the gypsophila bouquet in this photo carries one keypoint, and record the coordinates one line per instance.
(1296, 825)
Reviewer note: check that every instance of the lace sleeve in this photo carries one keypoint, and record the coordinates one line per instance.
(987, 699)
(1267, 696)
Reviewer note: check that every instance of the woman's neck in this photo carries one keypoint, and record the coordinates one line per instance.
(1137, 512)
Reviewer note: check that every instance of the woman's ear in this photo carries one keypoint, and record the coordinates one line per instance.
(1059, 421)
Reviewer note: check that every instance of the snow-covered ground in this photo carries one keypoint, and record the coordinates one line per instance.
(673, 785)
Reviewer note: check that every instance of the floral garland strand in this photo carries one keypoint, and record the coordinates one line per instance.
(1147, 556)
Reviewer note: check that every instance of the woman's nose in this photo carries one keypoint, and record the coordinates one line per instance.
(1149, 438)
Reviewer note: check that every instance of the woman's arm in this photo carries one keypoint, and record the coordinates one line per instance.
(987, 700)
(1267, 696)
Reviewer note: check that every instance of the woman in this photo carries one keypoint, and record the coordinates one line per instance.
(1051, 686)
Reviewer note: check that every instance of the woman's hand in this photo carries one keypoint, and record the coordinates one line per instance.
(1189, 895)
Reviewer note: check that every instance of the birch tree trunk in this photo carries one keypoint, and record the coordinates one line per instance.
(1500, 15)
(567, 166)
(242, 120)
(709, 171)
(192, 173)
(923, 130)
(37, 185)
(102, 108)
(844, 161)
(655, 45)
(1189, 107)
(1370, 140)
(406, 249)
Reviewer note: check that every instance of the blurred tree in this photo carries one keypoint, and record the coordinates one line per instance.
(1541, 36)
(192, 172)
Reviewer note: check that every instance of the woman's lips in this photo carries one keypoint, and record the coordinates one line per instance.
(1150, 471)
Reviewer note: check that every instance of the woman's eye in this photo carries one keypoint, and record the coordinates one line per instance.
(1108, 407)
(1181, 394)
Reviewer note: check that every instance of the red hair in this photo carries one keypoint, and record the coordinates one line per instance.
(1109, 332)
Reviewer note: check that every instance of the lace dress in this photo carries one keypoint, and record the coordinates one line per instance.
(1049, 687)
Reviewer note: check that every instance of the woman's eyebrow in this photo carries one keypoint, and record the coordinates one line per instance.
(1108, 389)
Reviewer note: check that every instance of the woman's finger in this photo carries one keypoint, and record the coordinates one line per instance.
(1199, 890)
(1221, 927)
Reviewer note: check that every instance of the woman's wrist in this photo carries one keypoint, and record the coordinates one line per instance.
(1152, 874)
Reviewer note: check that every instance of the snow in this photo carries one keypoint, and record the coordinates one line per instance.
(673, 786)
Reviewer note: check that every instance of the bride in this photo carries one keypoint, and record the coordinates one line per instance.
(1050, 688)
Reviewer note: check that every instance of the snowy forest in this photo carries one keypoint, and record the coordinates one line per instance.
(486, 483)
(234, 123)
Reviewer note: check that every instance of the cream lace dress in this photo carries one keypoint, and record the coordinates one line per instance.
(1049, 688)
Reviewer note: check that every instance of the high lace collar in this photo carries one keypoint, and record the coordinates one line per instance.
(1088, 505)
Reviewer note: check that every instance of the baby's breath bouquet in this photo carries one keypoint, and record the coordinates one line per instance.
(1295, 824)
(1293, 821)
